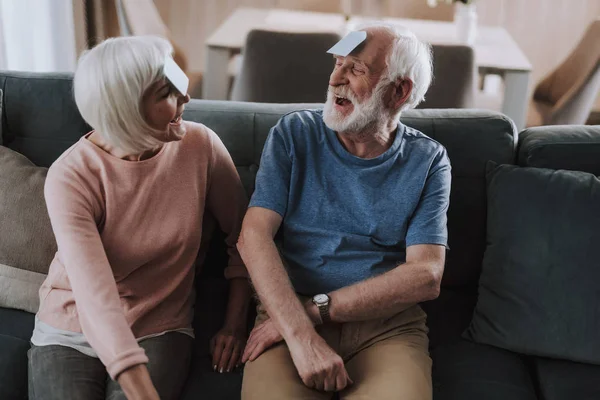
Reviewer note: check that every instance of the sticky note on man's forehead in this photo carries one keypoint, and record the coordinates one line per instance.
(176, 76)
(348, 43)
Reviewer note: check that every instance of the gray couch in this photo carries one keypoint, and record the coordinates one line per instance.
(40, 121)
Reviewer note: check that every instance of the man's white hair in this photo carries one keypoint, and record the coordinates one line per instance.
(408, 58)
(109, 83)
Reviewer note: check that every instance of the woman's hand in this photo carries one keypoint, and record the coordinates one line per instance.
(136, 383)
(227, 347)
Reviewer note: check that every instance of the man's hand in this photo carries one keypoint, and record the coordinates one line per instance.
(318, 365)
(266, 334)
(261, 338)
(226, 348)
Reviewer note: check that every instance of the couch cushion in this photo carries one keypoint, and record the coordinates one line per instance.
(41, 119)
(13, 367)
(574, 148)
(566, 380)
(467, 370)
(471, 138)
(15, 331)
(16, 323)
(449, 315)
(28, 245)
(538, 292)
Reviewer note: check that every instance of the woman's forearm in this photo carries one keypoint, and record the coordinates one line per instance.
(136, 383)
(238, 303)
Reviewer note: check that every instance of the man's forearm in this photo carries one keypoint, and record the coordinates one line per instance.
(273, 285)
(386, 294)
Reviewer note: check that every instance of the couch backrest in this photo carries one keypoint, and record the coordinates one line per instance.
(572, 147)
(41, 121)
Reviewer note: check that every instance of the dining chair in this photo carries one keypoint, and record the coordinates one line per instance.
(141, 17)
(285, 67)
(567, 95)
(454, 78)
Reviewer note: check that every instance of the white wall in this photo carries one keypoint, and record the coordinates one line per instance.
(37, 35)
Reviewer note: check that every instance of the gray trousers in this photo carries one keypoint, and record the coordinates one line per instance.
(60, 372)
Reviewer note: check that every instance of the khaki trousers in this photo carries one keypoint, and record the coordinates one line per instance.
(387, 359)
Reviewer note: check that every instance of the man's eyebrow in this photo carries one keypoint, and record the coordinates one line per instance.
(354, 60)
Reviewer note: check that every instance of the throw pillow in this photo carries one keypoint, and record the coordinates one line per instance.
(27, 243)
(539, 287)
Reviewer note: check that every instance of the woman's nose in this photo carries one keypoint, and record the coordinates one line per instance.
(184, 99)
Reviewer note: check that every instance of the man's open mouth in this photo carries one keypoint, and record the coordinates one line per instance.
(342, 101)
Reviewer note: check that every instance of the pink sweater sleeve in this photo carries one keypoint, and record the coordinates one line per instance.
(72, 209)
(227, 201)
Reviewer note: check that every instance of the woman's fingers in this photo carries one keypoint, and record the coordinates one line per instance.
(235, 356)
(226, 354)
(217, 351)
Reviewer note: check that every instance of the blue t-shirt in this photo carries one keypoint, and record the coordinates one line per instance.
(346, 219)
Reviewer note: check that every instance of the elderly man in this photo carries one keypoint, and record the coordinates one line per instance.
(360, 202)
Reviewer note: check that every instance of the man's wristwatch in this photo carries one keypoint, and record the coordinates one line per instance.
(322, 303)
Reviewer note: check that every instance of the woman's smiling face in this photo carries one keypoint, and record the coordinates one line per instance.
(162, 107)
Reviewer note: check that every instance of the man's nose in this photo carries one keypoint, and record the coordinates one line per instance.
(338, 76)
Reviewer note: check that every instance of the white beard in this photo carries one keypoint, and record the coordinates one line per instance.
(364, 115)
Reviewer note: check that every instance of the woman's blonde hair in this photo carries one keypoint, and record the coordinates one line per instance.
(109, 83)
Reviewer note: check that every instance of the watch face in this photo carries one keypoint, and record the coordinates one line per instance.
(321, 298)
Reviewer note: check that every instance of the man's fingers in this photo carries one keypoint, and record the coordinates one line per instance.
(348, 380)
(329, 383)
(319, 382)
(247, 352)
(258, 350)
(309, 382)
(253, 341)
(341, 380)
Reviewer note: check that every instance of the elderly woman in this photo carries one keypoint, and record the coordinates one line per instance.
(127, 202)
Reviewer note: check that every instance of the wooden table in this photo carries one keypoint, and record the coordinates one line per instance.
(495, 50)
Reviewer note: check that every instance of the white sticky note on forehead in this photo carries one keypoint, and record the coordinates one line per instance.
(176, 76)
(348, 43)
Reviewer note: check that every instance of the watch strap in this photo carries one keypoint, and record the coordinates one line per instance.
(324, 312)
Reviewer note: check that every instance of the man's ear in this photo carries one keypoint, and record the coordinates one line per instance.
(402, 89)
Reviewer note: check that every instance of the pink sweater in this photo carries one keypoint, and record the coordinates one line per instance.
(128, 235)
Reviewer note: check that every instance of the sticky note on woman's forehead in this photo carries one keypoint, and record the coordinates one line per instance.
(348, 43)
(175, 75)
